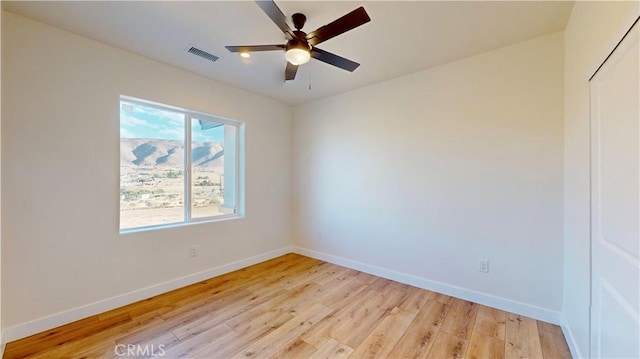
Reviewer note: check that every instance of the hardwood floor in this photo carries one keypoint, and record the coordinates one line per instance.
(298, 307)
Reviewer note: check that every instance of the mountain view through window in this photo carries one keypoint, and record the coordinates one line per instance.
(158, 183)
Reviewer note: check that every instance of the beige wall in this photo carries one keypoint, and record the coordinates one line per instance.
(425, 174)
(60, 164)
(593, 30)
(421, 175)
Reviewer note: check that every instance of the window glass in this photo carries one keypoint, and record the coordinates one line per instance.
(159, 183)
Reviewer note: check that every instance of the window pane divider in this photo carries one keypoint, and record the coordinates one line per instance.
(187, 167)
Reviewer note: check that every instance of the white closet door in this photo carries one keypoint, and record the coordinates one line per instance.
(615, 203)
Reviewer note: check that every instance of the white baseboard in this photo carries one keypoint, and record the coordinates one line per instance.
(458, 292)
(571, 341)
(55, 320)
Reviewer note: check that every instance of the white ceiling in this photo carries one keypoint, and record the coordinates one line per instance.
(402, 37)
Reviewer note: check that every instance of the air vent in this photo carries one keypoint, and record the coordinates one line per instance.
(205, 55)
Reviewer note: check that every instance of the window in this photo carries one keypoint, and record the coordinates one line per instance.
(161, 183)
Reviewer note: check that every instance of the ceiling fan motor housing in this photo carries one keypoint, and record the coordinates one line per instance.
(300, 35)
(298, 20)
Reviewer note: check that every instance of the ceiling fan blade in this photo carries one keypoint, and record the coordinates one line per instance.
(254, 48)
(348, 22)
(276, 15)
(290, 72)
(333, 59)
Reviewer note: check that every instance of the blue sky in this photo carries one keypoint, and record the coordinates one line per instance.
(138, 121)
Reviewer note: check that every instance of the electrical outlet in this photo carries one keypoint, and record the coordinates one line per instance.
(483, 265)
(193, 251)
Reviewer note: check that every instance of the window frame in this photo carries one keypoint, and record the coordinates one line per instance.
(238, 182)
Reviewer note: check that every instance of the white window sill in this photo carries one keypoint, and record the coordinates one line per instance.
(195, 221)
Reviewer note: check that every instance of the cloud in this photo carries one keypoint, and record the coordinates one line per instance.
(142, 109)
(156, 113)
(131, 121)
(173, 133)
(124, 133)
(165, 115)
(199, 137)
(140, 121)
(173, 117)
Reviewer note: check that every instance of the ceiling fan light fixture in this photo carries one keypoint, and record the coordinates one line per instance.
(245, 55)
(298, 53)
(297, 56)
(302, 46)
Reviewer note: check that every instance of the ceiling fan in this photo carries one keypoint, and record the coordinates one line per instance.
(301, 47)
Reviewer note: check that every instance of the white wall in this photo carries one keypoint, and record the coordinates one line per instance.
(421, 175)
(60, 185)
(424, 174)
(592, 32)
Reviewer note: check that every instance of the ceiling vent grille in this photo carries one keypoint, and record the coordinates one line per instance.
(205, 55)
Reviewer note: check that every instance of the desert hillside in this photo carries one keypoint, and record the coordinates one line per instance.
(146, 152)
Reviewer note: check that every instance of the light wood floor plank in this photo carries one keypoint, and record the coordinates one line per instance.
(189, 348)
(101, 343)
(298, 307)
(549, 327)
(490, 322)
(482, 347)
(320, 333)
(417, 340)
(151, 345)
(385, 336)
(442, 298)
(552, 342)
(309, 275)
(448, 346)
(63, 335)
(381, 285)
(273, 342)
(365, 277)
(206, 304)
(522, 338)
(336, 274)
(338, 295)
(225, 347)
(332, 349)
(356, 330)
(257, 321)
(296, 349)
(198, 321)
(300, 298)
(461, 318)
(415, 299)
